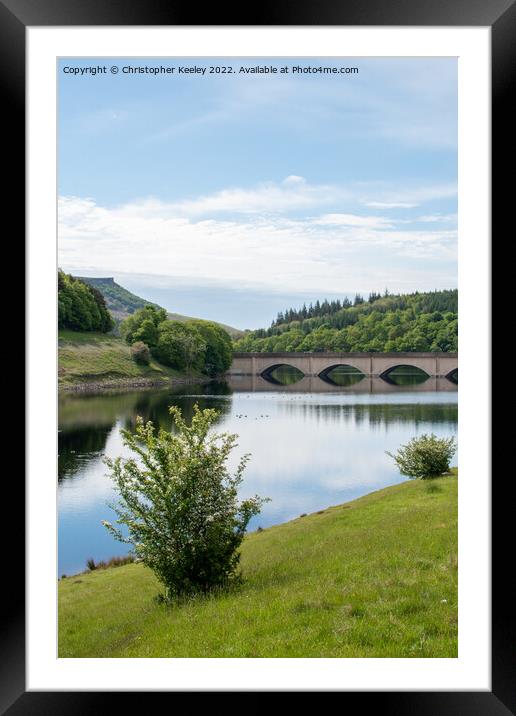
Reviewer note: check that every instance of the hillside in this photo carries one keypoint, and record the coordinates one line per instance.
(122, 303)
(235, 333)
(405, 322)
(376, 577)
(96, 360)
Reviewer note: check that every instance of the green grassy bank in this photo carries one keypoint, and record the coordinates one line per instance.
(376, 577)
(98, 360)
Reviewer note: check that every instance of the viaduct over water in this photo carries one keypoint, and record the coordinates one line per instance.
(375, 365)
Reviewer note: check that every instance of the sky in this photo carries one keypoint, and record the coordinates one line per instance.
(234, 195)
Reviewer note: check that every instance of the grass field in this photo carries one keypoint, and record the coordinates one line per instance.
(376, 577)
(99, 358)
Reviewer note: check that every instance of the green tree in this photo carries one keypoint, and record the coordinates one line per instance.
(180, 346)
(81, 307)
(179, 503)
(425, 457)
(147, 332)
(144, 325)
(415, 322)
(219, 347)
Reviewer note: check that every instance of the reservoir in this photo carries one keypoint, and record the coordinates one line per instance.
(312, 444)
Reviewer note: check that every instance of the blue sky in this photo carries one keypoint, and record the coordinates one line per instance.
(231, 197)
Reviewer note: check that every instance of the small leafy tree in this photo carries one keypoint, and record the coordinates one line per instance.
(140, 353)
(179, 502)
(218, 346)
(143, 325)
(426, 456)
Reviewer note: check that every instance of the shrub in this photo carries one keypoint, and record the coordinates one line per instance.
(140, 353)
(426, 456)
(179, 503)
(112, 562)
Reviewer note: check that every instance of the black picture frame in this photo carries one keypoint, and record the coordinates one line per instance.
(500, 16)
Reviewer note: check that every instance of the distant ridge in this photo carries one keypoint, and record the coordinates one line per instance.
(122, 303)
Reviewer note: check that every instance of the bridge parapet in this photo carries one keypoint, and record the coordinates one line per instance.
(434, 364)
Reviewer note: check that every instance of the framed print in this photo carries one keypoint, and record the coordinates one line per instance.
(264, 236)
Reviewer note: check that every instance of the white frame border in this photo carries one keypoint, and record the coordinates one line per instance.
(471, 670)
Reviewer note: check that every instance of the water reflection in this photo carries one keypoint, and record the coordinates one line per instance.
(78, 410)
(406, 375)
(312, 444)
(85, 422)
(385, 414)
(315, 384)
(343, 376)
(284, 375)
(78, 446)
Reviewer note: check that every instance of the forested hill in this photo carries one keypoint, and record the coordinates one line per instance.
(406, 322)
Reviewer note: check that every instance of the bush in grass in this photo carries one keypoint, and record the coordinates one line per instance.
(426, 456)
(140, 353)
(178, 502)
(112, 562)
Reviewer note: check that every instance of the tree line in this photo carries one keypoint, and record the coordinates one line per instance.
(383, 323)
(322, 308)
(81, 307)
(191, 345)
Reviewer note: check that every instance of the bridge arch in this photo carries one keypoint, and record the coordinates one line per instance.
(409, 366)
(355, 374)
(267, 372)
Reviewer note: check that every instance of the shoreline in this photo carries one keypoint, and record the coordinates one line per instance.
(453, 473)
(131, 384)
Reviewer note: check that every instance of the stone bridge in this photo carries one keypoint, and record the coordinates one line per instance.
(378, 365)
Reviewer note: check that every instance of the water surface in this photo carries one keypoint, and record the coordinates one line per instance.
(312, 444)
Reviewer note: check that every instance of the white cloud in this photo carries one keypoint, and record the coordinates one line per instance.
(328, 252)
(294, 180)
(295, 194)
(437, 218)
(389, 204)
(409, 197)
(292, 194)
(378, 222)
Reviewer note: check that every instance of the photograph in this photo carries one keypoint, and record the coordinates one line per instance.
(253, 241)
(257, 316)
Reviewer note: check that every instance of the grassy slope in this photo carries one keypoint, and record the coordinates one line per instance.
(376, 577)
(235, 333)
(101, 358)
